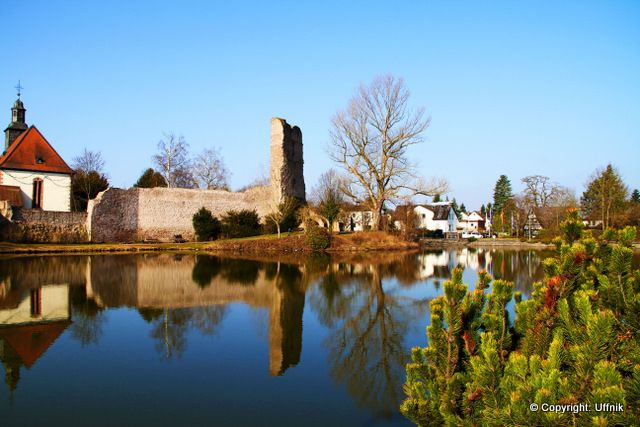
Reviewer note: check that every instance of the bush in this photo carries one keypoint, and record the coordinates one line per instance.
(317, 237)
(242, 223)
(206, 226)
(576, 339)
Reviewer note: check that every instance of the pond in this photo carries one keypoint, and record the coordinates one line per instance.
(185, 339)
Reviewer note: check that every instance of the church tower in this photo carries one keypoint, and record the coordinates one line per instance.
(18, 124)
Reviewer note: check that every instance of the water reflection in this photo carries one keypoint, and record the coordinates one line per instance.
(369, 312)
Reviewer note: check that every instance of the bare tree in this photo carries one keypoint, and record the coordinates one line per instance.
(89, 178)
(89, 161)
(209, 170)
(540, 190)
(370, 141)
(327, 195)
(172, 161)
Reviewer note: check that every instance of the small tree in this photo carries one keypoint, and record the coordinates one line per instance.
(205, 225)
(150, 178)
(284, 217)
(329, 197)
(89, 178)
(635, 197)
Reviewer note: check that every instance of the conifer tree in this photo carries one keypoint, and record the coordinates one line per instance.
(575, 340)
(501, 193)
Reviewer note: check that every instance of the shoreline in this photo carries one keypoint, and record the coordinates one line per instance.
(356, 243)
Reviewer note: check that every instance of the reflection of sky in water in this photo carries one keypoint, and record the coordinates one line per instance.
(170, 340)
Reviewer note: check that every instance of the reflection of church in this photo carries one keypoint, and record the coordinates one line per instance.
(31, 319)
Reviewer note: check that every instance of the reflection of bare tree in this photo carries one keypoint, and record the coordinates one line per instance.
(170, 326)
(88, 318)
(366, 344)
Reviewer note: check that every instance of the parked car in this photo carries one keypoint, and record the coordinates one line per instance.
(470, 234)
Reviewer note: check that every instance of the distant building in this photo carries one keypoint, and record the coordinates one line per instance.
(471, 221)
(430, 216)
(32, 173)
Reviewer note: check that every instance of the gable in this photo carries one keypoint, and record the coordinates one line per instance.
(32, 152)
(31, 341)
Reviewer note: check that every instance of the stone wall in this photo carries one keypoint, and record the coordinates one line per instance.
(38, 226)
(138, 214)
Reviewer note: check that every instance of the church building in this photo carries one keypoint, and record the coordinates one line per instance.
(32, 173)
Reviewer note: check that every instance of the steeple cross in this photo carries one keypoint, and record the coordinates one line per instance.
(19, 88)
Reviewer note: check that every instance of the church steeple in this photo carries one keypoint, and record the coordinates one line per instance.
(18, 123)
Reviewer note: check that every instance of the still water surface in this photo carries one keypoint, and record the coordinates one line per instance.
(198, 340)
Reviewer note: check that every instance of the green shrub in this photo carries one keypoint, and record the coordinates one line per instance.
(242, 223)
(575, 340)
(317, 237)
(471, 239)
(206, 226)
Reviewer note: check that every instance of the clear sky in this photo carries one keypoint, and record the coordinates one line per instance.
(515, 88)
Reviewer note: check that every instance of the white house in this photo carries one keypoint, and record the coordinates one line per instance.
(32, 173)
(430, 216)
(471, 221)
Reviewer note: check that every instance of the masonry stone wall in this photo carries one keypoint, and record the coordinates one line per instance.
(38, 226)
(138, 214)
(287, 165)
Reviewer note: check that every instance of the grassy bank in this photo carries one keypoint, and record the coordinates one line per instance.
(355, 242)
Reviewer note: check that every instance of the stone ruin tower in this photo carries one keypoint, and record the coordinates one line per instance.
(286, 171)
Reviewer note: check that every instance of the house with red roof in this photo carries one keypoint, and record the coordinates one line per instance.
(32, 174)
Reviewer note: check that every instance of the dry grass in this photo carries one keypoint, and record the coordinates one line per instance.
(365, 241)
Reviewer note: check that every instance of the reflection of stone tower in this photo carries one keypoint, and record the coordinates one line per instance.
(285, 321)
(287, 177)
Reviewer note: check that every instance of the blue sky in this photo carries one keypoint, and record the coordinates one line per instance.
(515, 88)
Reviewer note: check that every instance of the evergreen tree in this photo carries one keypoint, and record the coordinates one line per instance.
(501, 193)
(86, 186)
(455, 207)
(635, 197)
(437, 198)
(575, 340)
(605, 195)
(150, 179)
(483, 211)
(463, 208)
(206, 226)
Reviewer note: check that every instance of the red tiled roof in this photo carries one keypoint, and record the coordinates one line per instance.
(12, 194)
(31, 341)
(31, 151)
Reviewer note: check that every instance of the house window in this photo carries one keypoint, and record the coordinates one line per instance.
(424, 216)
(36, 200)
(36, 302)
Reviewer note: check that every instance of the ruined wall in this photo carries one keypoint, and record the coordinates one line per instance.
(287, 165)
(38, 226)
(137, 214)
(113, 216)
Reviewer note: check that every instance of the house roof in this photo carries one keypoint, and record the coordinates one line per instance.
(12, 194)
(440, 211)
(31, 151)
(31, 341)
